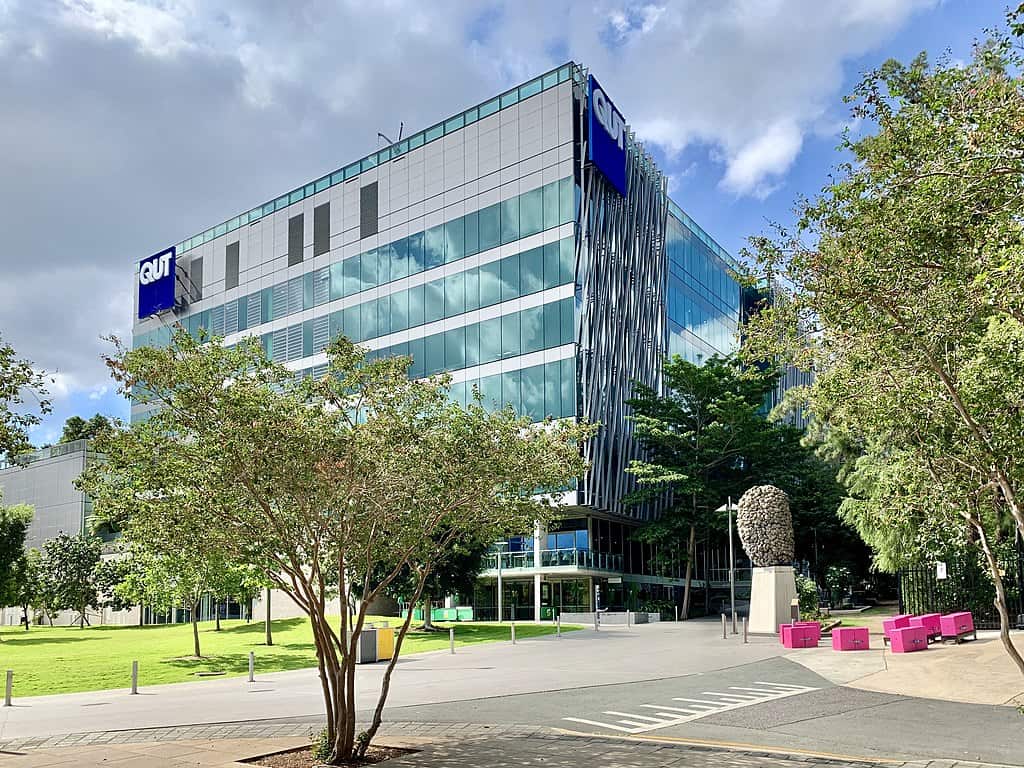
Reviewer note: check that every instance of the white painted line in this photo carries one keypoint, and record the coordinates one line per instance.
(700, 702)
(600, 725)
(783, 685)
(669, 715)
(762, 691)
(644, 726)
(674, 709)
(732, 696)
(638, 717)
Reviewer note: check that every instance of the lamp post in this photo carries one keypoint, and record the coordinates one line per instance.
(728, 507)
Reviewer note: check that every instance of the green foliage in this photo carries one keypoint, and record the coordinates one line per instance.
(807, 594)
(18, 379)
(331, 486)
(69, 567)
(907, 299)
(322, 746)
(77, 428)
(14, 522)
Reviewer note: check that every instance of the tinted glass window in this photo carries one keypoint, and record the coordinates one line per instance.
(231, 266)
(295, 225)
(321, 229)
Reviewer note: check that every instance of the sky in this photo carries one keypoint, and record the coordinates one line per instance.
(128, 126)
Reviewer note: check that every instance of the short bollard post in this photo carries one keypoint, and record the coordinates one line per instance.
(252, 666)
(745, 640)
(677, 613)
(724, 627)
(734, 630)
(451, 639)
(135, 677)
(597, 625)
(558, 626)
(513, 631)
(9, 688)
(627, 619)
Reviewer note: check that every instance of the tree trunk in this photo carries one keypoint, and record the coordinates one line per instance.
(195, 628)
(428, 619)
(24, 611)
(216, 610)
(1000, 600)
(691, 546)
(142, 612)
(268, 634)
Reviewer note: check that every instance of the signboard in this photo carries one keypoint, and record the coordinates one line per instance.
(607, 145)
(156, 283)
(614, 579)
(940, 571)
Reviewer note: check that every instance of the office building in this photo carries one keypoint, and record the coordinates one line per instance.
(528, 246)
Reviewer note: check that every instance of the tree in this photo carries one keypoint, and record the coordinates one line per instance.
(14, 522)
(18, 379)
(905, 278)
(454, 573)
(28, 584)
(69, 567)
(77, 428)
(696, 436)
(330, 486)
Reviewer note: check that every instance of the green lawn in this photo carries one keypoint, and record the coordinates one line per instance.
(871, 618)
(65, 659)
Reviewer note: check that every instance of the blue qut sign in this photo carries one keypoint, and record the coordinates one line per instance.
(156, 283)
(607, 146)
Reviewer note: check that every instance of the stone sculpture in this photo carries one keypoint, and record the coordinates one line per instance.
(765, 526)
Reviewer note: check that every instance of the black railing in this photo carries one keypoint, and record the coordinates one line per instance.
(965, 588)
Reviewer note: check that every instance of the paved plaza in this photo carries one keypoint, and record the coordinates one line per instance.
(671, 694)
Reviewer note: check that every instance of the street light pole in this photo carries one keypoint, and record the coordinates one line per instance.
(728, 508)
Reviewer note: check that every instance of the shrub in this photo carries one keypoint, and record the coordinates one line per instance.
(807, 594)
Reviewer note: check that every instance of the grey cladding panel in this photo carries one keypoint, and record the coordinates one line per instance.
(295, 224)
(368, 210)
(195, 278)
(231, 265)
(321, 229)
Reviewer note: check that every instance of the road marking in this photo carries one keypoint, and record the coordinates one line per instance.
(717, 701)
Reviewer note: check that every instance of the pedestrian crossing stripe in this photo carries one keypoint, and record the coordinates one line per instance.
(664, 716)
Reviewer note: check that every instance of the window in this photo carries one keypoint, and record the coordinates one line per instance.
(322, 285)
(567, 199)
(510, 220)
(416, 352)
(566, 260)
(490, 340)
(532, 324)
(352, 323)
(472, 277)
(368, 318)
(531, 212)
(531, 271)
(552, 265)
(490, 227)
(552, 325)
(551, 217)
(415, 306)
(368, 270)
(568, 382)
(399, 311)
(454, 240)
(532, 391)
(433, 247)
(510, 341)
(510, 394)
(398, 256)
(455, 349)
(351, 283)
(195, 279)
(433, 347)
(295, 225)
(567, 309)
(433, 300)
(415, 250)
(490, 283)
(321, 229)
(471, 222)
(454, 294)
(553, 390)
(473, 344)
(231, 266)
(368, 210)
(510, 277)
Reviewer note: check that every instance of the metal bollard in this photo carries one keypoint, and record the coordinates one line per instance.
(513, 631)
(596, 624)
(558, 626)
(745, 639)
(135, 678)
(677, 613)
(451, 639)
(10, 688)
(725, 632)
(252, 666)
(627, 619)
(734, 630)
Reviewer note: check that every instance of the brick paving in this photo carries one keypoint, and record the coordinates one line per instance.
(445, 745)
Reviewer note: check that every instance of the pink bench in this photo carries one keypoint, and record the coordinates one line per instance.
(931, 622)
(896, 622)
(800, 634)
(850, 639)
(957, 626)
(908, 639)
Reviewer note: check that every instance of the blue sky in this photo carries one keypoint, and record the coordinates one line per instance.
(132, 124)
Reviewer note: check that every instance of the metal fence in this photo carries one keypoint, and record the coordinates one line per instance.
(964, 588)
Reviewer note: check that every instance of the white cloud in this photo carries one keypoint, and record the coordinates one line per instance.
(765, 156)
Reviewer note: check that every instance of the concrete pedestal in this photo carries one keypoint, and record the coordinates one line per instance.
(772, 591)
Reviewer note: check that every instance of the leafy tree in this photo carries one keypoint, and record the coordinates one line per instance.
(707, 439)
(18, 379)
(28, 584)
(77, 428)
(336, 485)
(454, 573)
(907, 299)
(14, 522)
(69, 568)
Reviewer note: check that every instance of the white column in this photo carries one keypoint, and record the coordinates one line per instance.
(538, 537)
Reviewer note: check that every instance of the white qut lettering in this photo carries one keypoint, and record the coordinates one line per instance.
(609, 118)
(151, 271)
